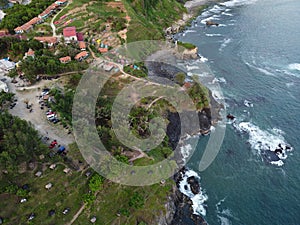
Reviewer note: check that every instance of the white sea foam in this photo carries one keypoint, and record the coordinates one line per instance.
(262, 70)
(203, 59)
(294, 66)
(214, 17)
(224, 214)
(290, 84)
(219, 80)
(226, 41)
(248, 103)
(265, 140)
(226, 14)
(190, 31)
(186, 151)
(213, 35)
(217, 9)
(198, 199)
(234, 3)
(189, 68)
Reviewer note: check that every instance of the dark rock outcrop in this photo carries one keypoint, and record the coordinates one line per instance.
(211, 23)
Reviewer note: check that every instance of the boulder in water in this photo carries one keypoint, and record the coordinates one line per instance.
(211, 23)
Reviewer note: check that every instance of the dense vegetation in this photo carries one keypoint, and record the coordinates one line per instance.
(140, 71)
(149, 17)
(45, 62)
(19, 142)
(16, 48)
(20, 14)
(200, 95)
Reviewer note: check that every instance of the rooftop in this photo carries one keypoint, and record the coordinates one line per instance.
(69, 31)
(81, 54)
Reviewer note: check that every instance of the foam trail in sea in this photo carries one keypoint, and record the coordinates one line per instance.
(226, 41)
(294, 66)
(269, 144)
(235, 3)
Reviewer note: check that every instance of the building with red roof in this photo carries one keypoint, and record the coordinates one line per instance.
(70, 34)
(47, 40)
(30, 53)
(82, 45)
(81, 56)
(65, 59)
(80, 36)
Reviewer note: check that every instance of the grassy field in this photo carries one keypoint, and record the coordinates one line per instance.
(68, 191)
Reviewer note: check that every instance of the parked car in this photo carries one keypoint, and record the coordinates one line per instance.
(66, 211)
(31, 216)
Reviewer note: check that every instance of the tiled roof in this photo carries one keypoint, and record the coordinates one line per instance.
(103, 50)
(50, 39)
(69, 31)
(65, 59)
(81, 54)
(82, 45)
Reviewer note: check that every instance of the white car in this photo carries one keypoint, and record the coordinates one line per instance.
(23, 200)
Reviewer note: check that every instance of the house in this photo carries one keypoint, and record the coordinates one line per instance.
(70, 34)
(187, 85)
(65, 59)
(80, 37)
(51, 41)
(108, 67)
(7, 65)
(30, 53)
(103, 50)
(82, 45)
(81, 56)
(34, 21)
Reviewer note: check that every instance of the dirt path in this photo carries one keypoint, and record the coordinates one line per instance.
(77, 215)
(54, 17)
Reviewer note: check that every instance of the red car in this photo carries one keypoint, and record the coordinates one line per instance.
(53, 144)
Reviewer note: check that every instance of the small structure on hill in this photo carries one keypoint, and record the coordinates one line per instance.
(38, 174)
(48, 186)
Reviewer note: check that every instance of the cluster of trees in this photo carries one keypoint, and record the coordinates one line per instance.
(19, 142)
(95, 184)
(142, 70)
(20, 14)
(63, 103)
(45, 62)
(5, 99)
(200, 95)
(16, 48)
(118, 24)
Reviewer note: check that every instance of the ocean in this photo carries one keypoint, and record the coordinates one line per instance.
(254, 54)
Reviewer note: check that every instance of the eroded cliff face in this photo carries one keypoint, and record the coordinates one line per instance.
(190, 53)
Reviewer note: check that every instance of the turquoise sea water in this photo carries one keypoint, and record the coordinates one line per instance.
(256, 53)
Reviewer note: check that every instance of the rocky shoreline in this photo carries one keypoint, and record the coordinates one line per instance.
(179, 210)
